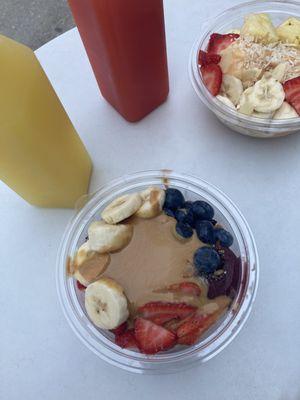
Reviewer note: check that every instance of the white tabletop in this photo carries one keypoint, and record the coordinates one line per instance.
(40, 357)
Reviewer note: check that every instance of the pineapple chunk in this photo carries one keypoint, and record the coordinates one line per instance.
(259, 27)
(289, 31)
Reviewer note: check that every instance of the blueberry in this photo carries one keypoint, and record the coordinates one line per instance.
(184, 230)
(180, 215)
(224, 237)
(169, 212)
(203, 210)
(174, 199)
(188, 204)
(206, 260)
(185, 216)
(205, 231)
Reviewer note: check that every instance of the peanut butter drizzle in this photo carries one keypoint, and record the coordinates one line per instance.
(153, 260)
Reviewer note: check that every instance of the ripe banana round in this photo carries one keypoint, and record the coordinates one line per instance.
(263, 115)
(226, 101)
(232, 87)
(154, 199)
(246, 105)
(267, 95)
(121, 208)
(105, 238)
(106, 303)
(285, 111)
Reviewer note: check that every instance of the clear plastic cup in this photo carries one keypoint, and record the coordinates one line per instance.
(233, 19)
(219, 336)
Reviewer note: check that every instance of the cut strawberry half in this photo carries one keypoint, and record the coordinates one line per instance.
(188, 288)
(126, 340)
(179, 310)
(190, 339)
(212, 77)
(218, 42)
(161, 319)
(80, 286)
(152, 338)
(120, 329)
(292, 93)
(208, 58)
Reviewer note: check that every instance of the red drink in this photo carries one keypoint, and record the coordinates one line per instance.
(125, 42)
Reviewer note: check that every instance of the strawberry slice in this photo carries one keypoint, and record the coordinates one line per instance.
(208, 58)
(152, 338)
(179, 310)
(126, 340)
(191, 323)
(189, 288)
(292, 93)
(212, 77)
(161, 319)
(218, 43)
(191, 330)
(120, 329)
(80, 286)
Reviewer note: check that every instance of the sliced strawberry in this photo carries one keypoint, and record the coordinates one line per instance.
(191, 323)
(161, 319)
(126, 340)
(218, 42)
(120, 329)
(172, 325)
(152, 309)
(292, 93)
(212, 77)
(80, 286)
(152, 338)
(190, 338)
(206, 58)
(189, 288)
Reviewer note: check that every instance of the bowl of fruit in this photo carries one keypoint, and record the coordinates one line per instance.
(158, 271)
(245, 67)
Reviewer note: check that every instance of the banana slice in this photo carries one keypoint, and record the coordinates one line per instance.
(226, 101)
(267, 95)
(105, 238)
(232, 87)
(279, 72)
(250, 76)
(246, 105)
(285, 111)
(154, 199)
(121, 208)
(106, 304)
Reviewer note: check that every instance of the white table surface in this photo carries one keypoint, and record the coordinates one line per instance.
(40, 357)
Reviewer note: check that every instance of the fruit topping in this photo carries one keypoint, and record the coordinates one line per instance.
(152, 309)
(218, 43)
(120, 329)
(208, 58)
(184, 230)
(162, 319)
(186, 288)
(174, 199)
(227, 277)
(152, 338)
(205, 231)
(185, 216)
(202, 210)
(224, 237)
(212, 78)
(292, 93)
(126, 340)
(80, 286)
(206, 260)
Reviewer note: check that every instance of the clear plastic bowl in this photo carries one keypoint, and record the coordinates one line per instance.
(101, 342)
(223, 23)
